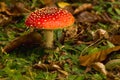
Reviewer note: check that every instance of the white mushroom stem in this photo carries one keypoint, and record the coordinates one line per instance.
(48, 35)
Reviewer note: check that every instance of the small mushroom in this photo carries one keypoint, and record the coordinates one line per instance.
(49, 19)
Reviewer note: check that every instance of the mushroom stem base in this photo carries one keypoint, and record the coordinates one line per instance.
(48, 35)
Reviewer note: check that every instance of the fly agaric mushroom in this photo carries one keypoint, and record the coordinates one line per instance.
(49, 19)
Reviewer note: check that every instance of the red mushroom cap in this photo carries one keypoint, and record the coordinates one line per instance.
(49, 18)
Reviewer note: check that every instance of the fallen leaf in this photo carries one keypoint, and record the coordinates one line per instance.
(4, 19)
(104, 17)
(30, 38)
(8, 13)
(63, 4)
(50, 67)
(45, 67)
(115, 39)
(100, 67)
(3, 7)
(87, 60)
(19, 8)
(83, 7)
(69, 8)
(63, 72)
(1, 66)
(87, 17)
(99, 34)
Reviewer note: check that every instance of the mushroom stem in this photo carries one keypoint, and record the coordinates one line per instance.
(48, 35)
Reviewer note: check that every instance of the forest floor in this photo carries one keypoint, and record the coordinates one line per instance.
(87, 50)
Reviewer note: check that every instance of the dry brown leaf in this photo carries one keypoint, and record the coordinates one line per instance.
(30, 38)
(115, 39)
(19, 8)
(87, 60)
(1, 66)
(69, 8)
(45, 67)
(100, 67)
(87, 17)
(4, 19)
(3, 7)
(50, 67)
(100, 33)
(104, 17)
(63, 72)
(7, 13)
(83, 7)
(94, 17)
